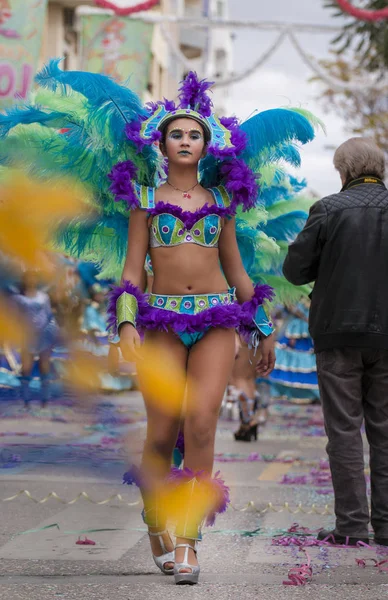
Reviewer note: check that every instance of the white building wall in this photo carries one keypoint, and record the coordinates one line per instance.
(63, 41)
(215, 47)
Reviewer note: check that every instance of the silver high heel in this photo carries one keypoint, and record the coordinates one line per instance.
(166, 557)
(186, 578)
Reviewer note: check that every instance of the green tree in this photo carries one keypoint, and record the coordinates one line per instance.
(359, 50)
(367, 41)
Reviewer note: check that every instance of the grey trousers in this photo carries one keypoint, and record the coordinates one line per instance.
(353, 384)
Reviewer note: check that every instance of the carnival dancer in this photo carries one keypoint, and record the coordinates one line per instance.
(194, 227)
(242, 386)
(295, 372)
(34, 304)
(191, 313)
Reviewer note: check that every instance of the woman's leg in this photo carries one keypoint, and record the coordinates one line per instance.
(209, 367)
(27, 361)
(162, 431)
(44, 370)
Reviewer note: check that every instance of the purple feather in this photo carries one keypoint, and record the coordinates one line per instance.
(132, 131)
(221, 491)
(152, 107)
(180, 443)
(133, 476)
(121, 176)
(223, 499)
(189, 218)
(113, 296)
(238, 139)
(192, 94)
(241, 183)
(260, 295)
(221, 153)
(248, 309)
(223, 315)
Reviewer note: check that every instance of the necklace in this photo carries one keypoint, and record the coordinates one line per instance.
(185, 193)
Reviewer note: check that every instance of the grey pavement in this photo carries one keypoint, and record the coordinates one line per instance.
(237, 556)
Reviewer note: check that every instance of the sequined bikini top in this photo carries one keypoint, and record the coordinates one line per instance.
(173, 226)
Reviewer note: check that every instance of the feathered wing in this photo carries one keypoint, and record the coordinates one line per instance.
(273, 140)
(75, 126)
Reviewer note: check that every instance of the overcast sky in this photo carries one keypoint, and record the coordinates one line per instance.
(284, 79)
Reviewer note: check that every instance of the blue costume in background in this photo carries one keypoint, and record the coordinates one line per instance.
(295, 373)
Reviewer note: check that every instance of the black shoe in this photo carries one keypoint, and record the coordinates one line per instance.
(381, 541)
(335, 538)
(246, 433)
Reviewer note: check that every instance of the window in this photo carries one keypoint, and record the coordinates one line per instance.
(220, 9)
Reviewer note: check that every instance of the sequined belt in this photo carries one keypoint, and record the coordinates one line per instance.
(192, 305)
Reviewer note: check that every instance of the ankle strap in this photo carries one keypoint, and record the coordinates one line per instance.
(186, 546)
(158, 533)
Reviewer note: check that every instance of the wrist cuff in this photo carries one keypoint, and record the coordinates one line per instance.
(126, 309)
(262, 322)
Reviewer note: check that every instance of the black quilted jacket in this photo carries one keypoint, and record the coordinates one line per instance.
(344, 249)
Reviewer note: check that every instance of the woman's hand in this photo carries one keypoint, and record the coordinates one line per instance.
(267, 361)
(129, 342)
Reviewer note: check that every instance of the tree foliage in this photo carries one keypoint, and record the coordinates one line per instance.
(367, 41)
(360, 49)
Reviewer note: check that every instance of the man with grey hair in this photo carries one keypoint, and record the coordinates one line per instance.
(343, 248)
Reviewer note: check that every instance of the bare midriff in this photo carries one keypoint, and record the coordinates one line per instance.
(187, 269)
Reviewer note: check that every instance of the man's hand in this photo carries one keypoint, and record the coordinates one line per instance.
(267, 361)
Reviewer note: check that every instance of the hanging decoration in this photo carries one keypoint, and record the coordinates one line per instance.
(289, 32)
(129, 10)
(250, 506)
(362, 14)
(355, 86)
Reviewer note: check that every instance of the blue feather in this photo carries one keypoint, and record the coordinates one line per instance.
(247, 241)
(283, 188)
(28, 115)
(289, 153)
(81, 237)
(110, 105)
(270, 195)
(286, 227)
(272, 128)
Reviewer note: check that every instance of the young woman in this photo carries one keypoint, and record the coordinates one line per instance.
(202, 265)
(187, 210)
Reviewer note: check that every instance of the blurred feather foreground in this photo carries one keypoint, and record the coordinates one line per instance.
(31, 212)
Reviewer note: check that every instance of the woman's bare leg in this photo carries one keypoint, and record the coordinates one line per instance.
(27, 362)
(162, 430)
(209, 367)
(44, 370)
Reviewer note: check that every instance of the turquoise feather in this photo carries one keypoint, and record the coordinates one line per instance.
(92, 110)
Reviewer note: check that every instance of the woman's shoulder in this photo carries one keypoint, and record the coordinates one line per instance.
(221, 196)
(145, 196)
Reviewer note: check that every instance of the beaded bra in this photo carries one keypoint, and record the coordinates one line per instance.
(172, 226)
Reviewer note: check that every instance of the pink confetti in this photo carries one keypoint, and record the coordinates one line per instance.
(300, 575)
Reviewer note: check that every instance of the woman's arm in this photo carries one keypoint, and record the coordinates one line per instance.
(232, 264)
(237, 277)
(125, 300)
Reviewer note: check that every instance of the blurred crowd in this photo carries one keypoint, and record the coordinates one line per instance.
(63, 313)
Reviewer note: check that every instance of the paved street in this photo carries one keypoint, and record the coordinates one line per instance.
(58, 451)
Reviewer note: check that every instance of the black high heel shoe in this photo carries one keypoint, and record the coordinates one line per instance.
(246, 433)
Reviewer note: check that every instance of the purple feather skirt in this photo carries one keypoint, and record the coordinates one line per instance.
(189, 314)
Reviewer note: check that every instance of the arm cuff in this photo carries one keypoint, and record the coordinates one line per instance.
(262, 322)
(126, 309)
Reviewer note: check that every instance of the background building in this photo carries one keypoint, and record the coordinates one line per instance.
(208, 51)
